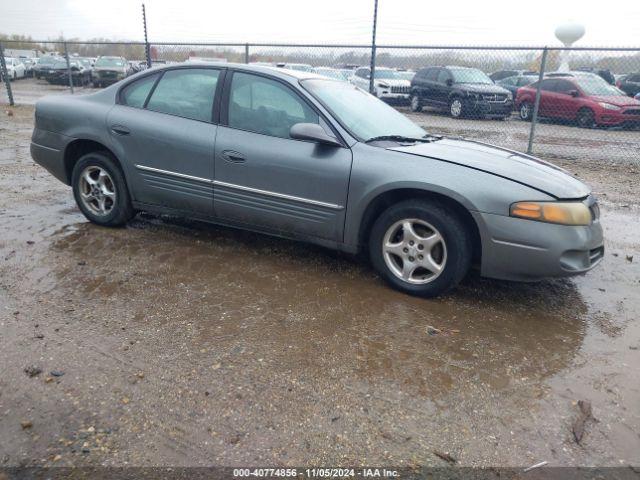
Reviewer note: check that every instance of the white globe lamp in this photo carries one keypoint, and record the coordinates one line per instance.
(568, 33)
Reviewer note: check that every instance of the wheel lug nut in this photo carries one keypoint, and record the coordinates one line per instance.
(420, 257)
(405, 249)
(411, 242)
(420, 246)
(411, 259)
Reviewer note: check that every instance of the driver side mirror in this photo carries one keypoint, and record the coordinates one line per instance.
(314, 133)
(574, 93)
(449, 82)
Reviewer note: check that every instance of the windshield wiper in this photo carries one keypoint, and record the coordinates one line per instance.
(401, 138)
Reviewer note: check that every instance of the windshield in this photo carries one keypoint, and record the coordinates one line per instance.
(385, 74)
(596, 86)
(47, 60)
(109, 62)
(85, 61)
(406, 75)
(469, 75)
(359, 112)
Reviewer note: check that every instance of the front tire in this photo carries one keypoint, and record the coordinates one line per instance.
(420, 247)
(416, 103)
(100, 190)
(456, 107)
(585, 118)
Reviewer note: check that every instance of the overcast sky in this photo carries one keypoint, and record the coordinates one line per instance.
(418, 22)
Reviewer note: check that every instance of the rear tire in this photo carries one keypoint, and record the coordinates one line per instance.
(100, 190)
(416, 103)
(585, 118)
(427, 259)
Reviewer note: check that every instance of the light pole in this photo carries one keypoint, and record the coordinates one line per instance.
(373, 46)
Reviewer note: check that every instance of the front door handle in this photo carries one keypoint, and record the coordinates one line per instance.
(233, 156)
(120, 130)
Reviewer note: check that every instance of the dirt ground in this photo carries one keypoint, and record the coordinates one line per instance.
(179, 343)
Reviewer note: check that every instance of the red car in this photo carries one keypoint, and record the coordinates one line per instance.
(581, 97)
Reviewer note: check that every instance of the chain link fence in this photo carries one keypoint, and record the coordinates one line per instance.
(553, 102)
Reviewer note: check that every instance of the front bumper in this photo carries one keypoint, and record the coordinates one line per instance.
(525, 250)
(483, 107)
(614, 118)
(107, 78)
(387, 94)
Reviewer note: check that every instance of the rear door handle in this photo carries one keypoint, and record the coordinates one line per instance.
(233, 156)
(120, 130)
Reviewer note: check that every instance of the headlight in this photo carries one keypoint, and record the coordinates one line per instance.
(383, 85)
(608, 106)
(472, 95)
(563, 213)
(509, 96)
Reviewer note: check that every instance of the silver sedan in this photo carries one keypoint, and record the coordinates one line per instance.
(299, 155)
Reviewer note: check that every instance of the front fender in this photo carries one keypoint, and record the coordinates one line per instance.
(377, 171)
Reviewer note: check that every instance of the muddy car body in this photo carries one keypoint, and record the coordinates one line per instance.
(297, 155)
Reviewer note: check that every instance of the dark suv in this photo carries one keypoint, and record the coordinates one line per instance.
(630, 84)
(461, 91)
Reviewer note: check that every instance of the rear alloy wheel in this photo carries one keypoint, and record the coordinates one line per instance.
(100, 190)
(420, 248)
(585, 118)
(525, 111)
(456, 107)
(416, 104)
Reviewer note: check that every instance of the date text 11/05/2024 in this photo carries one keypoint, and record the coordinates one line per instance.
(315, 472)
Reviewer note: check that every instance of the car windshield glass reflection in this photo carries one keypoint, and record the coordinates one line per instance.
(361, 113)
(597, 86)
(470, 75)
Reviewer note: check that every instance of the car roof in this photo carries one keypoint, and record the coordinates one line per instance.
(281, 72)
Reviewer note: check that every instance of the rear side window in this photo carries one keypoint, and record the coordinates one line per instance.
(186, 93)
(432, 74)
(261, 105)
(564, 86)
(135, 94)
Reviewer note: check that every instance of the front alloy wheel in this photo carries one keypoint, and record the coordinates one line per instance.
(421, 247)
(414, 251)
(525, 111)
(456, 108)
(416, 105)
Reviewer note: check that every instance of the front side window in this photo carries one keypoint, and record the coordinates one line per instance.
(136, 93)
(186, 93)
(443, 76)
(261, 105)
(563, 86)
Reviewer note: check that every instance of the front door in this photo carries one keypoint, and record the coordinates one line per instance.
(266, 179)
(168, 139)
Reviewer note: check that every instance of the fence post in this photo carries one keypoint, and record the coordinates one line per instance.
(66, 56)
(5, 75)
(246, 53)
(534, 117)
(373, 47)
(147, 48)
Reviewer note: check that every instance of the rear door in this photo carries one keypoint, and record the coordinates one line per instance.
(266, 179)
(165, 130)
(547, 107)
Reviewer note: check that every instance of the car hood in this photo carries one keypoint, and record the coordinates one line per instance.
(481, 88)
(109, 69)
(619, 100)
(393, 82)
(521, 168)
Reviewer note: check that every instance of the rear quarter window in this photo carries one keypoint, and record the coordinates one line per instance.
(135, 94)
